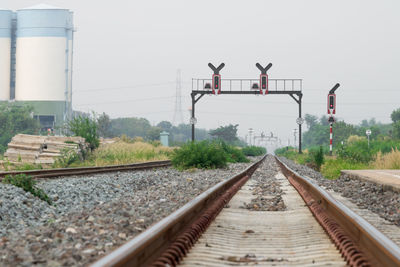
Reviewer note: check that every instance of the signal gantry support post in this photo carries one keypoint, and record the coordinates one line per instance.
(291, 87)
(299, 119)
(193, 119)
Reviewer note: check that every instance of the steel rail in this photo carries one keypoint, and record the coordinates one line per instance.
(148, 246)
(51, 173)
(373, 245)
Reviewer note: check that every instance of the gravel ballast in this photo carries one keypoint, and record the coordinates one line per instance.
(266, 188)
(93, 215)
(366, 195)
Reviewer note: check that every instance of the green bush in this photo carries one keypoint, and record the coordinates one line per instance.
(317, 157)
(234, 154)
(254, 151)
(203, 155)
(358, 151)
(287, 152)
(68, 156)
(87, 128)
(27, 184)
(332, 167)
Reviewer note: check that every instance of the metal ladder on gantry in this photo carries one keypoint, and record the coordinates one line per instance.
(262, 86)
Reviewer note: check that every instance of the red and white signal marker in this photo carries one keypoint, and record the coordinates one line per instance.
(331, 110)
(331, 104)
(216, 78)
(263, 84)
(263, 78)
(216, 84)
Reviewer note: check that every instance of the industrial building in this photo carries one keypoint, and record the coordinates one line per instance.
(36, 52)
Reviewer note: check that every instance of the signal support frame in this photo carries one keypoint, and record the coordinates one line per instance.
(291, 87)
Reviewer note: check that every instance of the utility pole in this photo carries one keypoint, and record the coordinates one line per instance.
(295, 133)
(251, 131)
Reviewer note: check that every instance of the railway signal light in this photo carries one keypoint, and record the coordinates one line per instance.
(331, 104)
(216, 83)
(332, 99)
(216, 78)
(331, 110)
(263, 78)
(264, 81)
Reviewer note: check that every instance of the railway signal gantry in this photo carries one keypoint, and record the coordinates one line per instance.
(261, 86)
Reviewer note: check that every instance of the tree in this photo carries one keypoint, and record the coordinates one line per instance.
(319, 134)
(153, 133)
(104, 125)
(372, 122)
(342, 131)
(130, 126)
(85, 127)
(311, 120)
(165, 125)
(324, 120)
(15, 119)
(396, 123)
(226, 133)
(395, 115)
(364, 123)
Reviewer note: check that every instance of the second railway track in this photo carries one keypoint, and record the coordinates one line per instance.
(52, 173)
(255, 232)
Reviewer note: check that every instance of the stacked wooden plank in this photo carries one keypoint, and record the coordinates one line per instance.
(35, 149)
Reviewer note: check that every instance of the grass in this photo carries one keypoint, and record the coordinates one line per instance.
(254, 151)
(294, 155)
(27, 183)
(8, 166)
(124, 153)
(116, 153)
(332, 167)
(387, 161)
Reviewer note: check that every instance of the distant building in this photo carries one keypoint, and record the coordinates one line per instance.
(36, 51)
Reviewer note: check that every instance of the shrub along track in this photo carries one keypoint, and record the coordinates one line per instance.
(168, 241)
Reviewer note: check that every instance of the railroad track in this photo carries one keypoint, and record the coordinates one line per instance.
(52, 173)
(290, 237)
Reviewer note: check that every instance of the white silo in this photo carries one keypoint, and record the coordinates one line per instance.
(43, 55)
(5, 53)
(70, 37)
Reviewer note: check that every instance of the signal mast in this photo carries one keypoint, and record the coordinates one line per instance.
(331, 112)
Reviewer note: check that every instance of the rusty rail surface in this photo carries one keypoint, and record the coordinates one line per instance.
(51, 173)
(360, 243)
(167, 241)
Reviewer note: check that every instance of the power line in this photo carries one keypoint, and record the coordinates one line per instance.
(147, 113)
(123, 87)
(305, 102)
(125, 101)
(257, 114)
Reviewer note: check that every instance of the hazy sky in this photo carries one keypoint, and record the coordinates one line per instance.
(127, 54)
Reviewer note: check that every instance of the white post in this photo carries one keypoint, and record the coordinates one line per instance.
(330, 138)
(368, 133)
